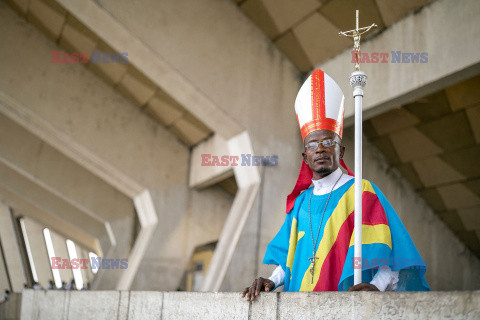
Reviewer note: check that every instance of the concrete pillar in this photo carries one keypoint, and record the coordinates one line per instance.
(38, 251)
(4, 283)
(11, 250)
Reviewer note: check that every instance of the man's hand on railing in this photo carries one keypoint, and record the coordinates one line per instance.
(260, 284)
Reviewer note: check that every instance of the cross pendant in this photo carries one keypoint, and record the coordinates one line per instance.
(312, 265)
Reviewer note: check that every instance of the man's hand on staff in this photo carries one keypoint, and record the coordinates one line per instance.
(364, 286)
(260, 284)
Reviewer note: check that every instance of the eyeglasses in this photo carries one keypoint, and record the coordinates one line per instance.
(325, 143)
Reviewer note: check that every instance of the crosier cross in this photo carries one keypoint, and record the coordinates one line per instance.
(312, 265)
(356, 35)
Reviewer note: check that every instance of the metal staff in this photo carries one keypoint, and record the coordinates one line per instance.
(358, 80)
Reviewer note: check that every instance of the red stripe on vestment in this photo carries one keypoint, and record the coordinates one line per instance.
(332, 268)
(372, 205)
(333, 265)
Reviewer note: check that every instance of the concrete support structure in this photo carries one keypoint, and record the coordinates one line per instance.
(38, 249)
(11, 250)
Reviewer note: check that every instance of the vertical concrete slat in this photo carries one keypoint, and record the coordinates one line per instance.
(11, 250)
(4, 278)
(39, 251)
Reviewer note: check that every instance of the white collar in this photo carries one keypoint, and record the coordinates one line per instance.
(324, 185)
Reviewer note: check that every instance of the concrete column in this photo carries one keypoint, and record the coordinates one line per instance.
(39, 251)
(11, 250)
(4, 285)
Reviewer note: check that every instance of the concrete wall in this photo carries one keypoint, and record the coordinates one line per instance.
(131, 305)
(450, 265)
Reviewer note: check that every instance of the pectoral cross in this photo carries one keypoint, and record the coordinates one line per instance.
(356, 35)
(312, 265)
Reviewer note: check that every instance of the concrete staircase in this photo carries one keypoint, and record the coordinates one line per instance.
(188, 305)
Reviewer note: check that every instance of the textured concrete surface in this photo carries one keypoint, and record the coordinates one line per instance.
(444, 36)
(438, 246)
(92, 305)
(324, 305)
(144, 305)
(44, 305)
(10, 310)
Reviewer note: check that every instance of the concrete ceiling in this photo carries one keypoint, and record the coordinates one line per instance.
(306, 30)
(435, 143)
(73, 36)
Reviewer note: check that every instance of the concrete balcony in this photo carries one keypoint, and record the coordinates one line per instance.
(188, 305)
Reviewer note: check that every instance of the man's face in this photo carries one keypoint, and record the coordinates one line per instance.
(322, 160)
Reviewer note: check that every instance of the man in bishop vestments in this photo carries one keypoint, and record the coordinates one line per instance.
(314, 249)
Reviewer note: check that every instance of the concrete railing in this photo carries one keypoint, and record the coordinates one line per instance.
(182, 305)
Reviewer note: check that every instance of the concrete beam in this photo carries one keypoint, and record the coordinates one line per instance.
(444, 29)
(248, 181)
(148, 221)
(52, 210)
(153, 66)
(202, 176)
(49, 220)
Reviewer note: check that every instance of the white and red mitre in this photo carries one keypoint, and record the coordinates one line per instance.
(319, 106)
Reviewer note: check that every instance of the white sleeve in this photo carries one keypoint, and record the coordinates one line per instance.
(385, 279)
(278, 276)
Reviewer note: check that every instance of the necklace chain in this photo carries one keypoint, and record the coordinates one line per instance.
(314, 243)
